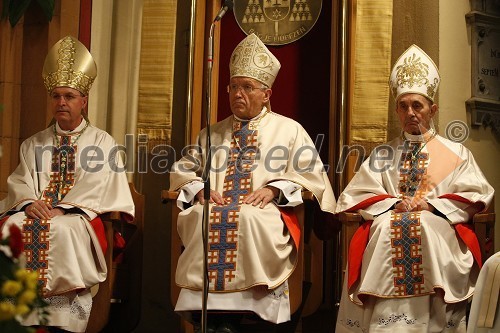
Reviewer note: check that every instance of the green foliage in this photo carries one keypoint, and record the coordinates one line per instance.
(15, 9)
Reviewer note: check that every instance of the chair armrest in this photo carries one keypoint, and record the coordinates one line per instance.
(488, 218)
(347, 217)
(307, 196)
(111, 216)
(167, 195)
(484, 227)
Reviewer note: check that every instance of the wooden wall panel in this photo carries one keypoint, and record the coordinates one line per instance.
(22, 93)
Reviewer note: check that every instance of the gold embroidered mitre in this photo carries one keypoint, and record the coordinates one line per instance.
(251, 58)
(414, 72)
(69, 64)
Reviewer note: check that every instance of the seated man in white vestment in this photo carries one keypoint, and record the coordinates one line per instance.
(68, 175)
(413, 264)
(260, 163)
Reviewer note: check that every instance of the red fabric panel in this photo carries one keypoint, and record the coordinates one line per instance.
(356, 251)
(85, 26)
(481, 206)
(467, 234)
(368, 202)
(118, 247)
(455, 197)
(119, 241)
(98, 227)
(292, 223)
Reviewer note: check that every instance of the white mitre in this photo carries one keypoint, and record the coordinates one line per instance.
(414, 72)
(251, 58)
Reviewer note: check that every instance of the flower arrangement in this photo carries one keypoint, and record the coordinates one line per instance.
(19, 292)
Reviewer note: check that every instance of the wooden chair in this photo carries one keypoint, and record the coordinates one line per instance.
(484, 226)
(309, 265)
(122, 286)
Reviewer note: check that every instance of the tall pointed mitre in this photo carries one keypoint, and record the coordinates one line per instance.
(251, 58)
(414, 72)
(69, 64)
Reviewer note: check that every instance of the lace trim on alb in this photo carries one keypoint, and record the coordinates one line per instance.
(76, 309)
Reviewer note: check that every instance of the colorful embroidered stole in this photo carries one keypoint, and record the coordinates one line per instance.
(223, 228)
(405, 226)
(36, 231)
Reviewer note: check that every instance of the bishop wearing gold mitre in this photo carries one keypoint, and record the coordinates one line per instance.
(68, 175)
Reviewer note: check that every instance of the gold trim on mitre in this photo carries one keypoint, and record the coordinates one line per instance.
(251, 58)
(69, 64)
(414, 72)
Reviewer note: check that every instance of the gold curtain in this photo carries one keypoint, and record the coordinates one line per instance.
(371, 69)
(156, 71)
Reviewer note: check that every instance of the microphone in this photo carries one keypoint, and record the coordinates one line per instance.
(228, 5)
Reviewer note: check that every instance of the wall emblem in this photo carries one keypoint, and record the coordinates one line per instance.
(277, 22)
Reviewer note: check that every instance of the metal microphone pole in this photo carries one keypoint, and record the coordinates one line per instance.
(208, 162)
(206, 181)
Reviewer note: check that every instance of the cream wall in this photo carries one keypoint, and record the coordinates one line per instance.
(455, 89)
(115, 45)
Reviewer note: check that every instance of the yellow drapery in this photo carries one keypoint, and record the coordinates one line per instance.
(371, 69)
(156, 71)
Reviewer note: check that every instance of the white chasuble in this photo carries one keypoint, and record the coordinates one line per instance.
(79, 172)
(411, 270)
(250, 249)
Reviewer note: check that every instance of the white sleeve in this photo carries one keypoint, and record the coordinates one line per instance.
(187, 194)
(290, 193)
(454, 211)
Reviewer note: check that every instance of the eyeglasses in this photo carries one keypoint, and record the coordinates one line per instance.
(66, 97)
(246, 88)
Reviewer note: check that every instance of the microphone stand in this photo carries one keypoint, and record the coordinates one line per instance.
(206, 181)
(208, 165)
